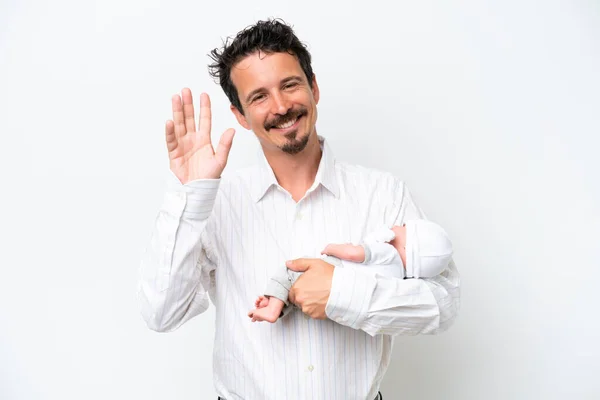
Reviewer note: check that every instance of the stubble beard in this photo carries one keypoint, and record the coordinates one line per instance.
(295, 145)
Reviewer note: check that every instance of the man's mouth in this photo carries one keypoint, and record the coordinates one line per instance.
(289, 124)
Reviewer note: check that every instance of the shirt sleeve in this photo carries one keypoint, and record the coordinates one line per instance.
(393, 306)
(177, 268)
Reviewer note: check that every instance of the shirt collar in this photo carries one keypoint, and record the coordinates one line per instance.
(325, 177)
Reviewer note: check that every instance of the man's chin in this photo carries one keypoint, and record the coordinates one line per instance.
(295, 145)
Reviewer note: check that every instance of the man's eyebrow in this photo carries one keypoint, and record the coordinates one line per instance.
(252, 93)
(291, 78)
(283, 82)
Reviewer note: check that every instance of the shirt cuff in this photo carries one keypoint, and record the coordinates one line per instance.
(199, 195)
(350, 296)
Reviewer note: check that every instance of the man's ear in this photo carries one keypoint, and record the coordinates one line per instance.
(315, 89)
(239, 116)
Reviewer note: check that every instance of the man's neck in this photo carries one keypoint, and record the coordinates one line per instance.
(296, 173)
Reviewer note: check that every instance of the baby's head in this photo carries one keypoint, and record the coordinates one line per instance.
(426, 245)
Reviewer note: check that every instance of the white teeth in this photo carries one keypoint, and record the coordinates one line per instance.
(287, 124)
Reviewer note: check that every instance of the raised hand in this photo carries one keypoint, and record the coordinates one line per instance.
(191, 153)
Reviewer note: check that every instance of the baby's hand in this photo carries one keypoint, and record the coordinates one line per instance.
(348, 251)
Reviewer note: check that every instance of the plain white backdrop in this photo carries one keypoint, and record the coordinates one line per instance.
(488, 109)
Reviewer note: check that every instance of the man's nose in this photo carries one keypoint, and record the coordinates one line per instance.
(280, 104)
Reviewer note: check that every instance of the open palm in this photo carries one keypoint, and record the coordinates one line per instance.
(191, 153)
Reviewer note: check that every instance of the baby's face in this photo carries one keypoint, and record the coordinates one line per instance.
(399, 241)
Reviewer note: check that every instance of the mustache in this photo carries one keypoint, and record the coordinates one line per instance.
(289, 116)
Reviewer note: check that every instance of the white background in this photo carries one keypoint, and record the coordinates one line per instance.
(489, 110)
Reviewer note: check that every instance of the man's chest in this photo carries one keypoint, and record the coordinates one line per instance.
(254, 239)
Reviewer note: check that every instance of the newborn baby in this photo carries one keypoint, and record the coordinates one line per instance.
(418, 249)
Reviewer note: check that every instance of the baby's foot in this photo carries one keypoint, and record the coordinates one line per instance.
(270, 313)
(261, 302)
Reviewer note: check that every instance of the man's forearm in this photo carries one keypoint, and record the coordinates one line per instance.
(172, 289)
(392, 306)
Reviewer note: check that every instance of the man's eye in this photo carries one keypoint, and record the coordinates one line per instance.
(290, 85)
(259, 97)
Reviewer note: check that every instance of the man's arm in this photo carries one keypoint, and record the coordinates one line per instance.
(176, 269)
(357, 298)
(177, 266)
(392, 306)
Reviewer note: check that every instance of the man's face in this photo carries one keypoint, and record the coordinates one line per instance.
(278, 102)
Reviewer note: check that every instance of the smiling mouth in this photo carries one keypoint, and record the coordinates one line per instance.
(288, 125)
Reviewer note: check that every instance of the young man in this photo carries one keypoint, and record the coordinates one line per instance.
(224, 237)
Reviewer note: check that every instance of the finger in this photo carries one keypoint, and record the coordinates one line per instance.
(170, 136)
(178, 115)
(301, 264)
(204, 123)
(188, 110)
(225, 145)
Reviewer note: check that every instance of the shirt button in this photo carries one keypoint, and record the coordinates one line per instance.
(299, 216)
(310, 368)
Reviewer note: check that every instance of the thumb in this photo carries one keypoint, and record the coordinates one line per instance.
(225, 145)
(299, 265)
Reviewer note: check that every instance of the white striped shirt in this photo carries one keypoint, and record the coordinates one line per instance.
(224, 238)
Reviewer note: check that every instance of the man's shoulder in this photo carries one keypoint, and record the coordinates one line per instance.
(358, 169)
(367, 175)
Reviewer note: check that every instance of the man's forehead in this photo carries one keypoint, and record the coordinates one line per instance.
(260, 68)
